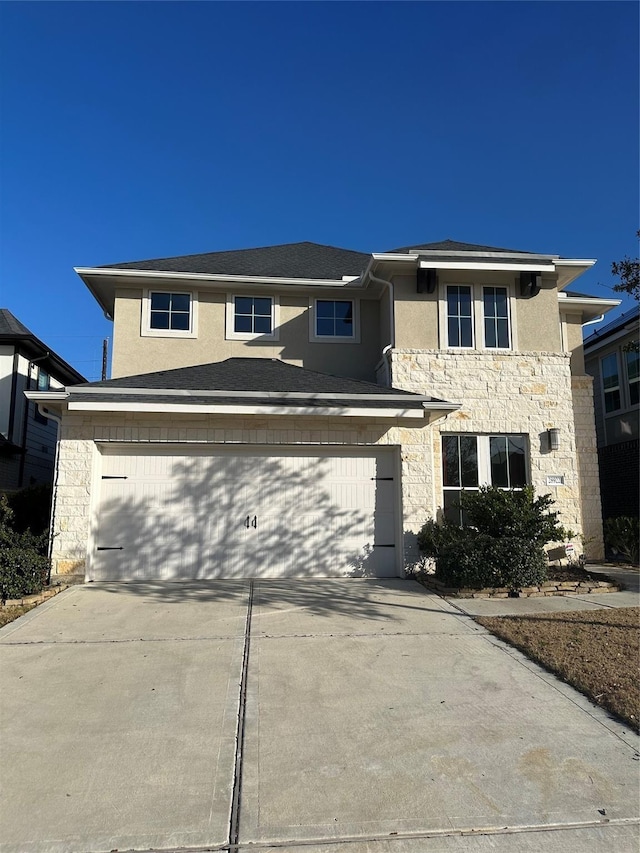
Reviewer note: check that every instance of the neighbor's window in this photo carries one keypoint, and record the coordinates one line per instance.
(495, 304)
(611, 383)
(43, 380)
(470, 461)
(459, 316)
(633, 376)
(334, 318)
(170, 311)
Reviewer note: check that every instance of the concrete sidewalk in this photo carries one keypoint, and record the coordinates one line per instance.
(377, 718)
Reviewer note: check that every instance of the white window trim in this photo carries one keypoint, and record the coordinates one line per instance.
(145, 328)
(333, 339)
(604, 391)
(477, 318)
(232, 335)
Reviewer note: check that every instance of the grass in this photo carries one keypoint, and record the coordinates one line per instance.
(13, 611)
(596, 651)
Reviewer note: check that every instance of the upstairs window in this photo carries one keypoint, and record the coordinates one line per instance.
(611, 383)
(171, 311)
(459, 316)
(43, 380)
(633, 376)
(477, 317)
(495, 304)
(334, 318)
(250, 317)
(166, 314)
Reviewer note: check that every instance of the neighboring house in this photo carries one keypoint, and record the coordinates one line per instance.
(615, 367)
(301, 410)
(27, 438)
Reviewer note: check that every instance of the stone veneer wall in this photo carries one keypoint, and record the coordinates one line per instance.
(78, 457)
(525, 392)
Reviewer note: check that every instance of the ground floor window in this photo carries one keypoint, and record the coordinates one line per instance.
(471, 461)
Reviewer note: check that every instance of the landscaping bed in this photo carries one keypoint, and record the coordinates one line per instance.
(595, 651)
(563, 580)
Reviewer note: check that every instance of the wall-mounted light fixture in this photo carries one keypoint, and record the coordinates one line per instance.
(553, 437)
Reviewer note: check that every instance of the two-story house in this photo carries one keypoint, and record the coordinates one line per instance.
(27, 436)
(301, 410)
(612, 358)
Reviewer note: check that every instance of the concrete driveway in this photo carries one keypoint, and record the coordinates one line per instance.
(304, 716)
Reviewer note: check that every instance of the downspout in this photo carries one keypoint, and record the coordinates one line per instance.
(54, 488)
(386, 352)
(597, 320)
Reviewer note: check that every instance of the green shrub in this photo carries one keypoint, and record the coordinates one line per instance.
(501, 544)
(31, 508)
(621, 535)
(24, 566)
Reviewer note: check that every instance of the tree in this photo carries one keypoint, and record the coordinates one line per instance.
(628, 271)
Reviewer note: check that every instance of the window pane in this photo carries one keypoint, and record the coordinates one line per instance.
(262, 325)
(498, 453)
(634, 387)
(517, 462)
(159, 319)
(262, 307)
(243, 304)
(43, 381)
(503, 333)
(160, 301)
(180, 322)
(242, 324)
(344, 310)
(612, 401)
(451, 508)
(490, 339)
(450, 460)
(501, 302)
(324, 308)
(466, 338)
(633, 365)
(324, 327)
(344, 328)
(464, 301)
(469, 460)
(180, 301)
(454, 336)
(610, 371)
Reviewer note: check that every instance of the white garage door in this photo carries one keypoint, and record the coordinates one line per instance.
(170, 513)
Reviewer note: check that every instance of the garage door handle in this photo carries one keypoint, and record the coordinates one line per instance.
(112, 548)
(247, 521)
(254, 523)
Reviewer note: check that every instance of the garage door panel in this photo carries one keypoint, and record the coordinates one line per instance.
(248, 513)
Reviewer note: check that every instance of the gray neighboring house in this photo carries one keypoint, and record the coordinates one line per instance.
(300, 410)
(27, 437)
(615, 368)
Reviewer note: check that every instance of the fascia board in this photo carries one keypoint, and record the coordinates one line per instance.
(267, 395)
(566, 301)
(94, 272)
(569, 269)
(47, 396)
(385, 256)
(182, 408)
(491, 266)
(526, 256)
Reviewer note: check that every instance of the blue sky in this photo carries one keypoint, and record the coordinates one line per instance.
(140, 130)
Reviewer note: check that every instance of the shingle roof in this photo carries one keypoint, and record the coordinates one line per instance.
(290, 260)
(16, 333)
(249, 375)
(455, 246)
(10, 325)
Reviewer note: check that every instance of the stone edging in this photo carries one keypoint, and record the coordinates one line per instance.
(546, 589)
(36, 598)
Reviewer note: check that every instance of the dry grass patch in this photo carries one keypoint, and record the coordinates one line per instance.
(11, 612)
(596, 651)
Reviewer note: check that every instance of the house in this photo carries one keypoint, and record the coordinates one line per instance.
(27, 437)
(614, 363)
(301, 410)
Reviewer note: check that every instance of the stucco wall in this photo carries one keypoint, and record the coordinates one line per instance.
(135, 353)
(524, 393)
